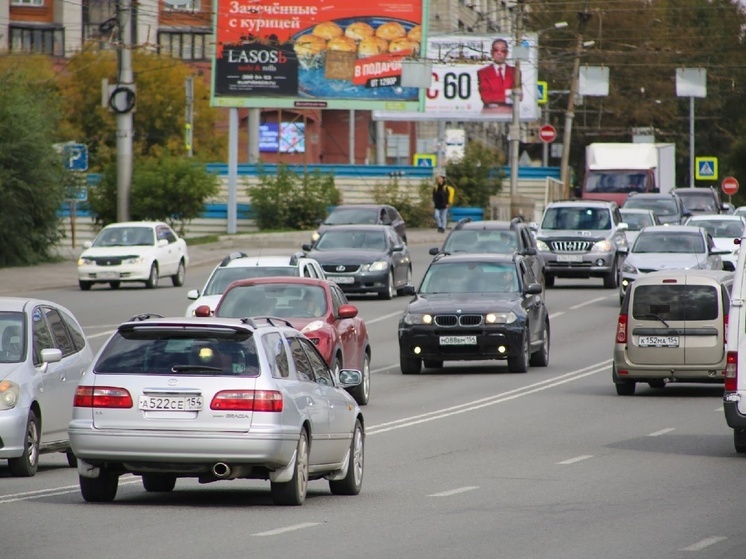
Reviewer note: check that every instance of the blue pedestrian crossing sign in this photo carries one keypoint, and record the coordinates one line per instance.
(706, 168)
(424, 160)
(542, 96)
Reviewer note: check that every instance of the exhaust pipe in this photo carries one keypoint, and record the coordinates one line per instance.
(221, 470)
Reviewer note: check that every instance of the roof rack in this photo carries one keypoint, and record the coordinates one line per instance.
(144, 316)
(268, 321)
(232, 256)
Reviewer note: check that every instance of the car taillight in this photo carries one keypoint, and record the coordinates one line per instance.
(102, 397)
(731, 371)
(247, 400)
(621, 329)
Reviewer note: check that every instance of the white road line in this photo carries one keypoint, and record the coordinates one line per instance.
(707, 542)
(384, 317)
(100, 334)
(287, 529)
(455, 491)
(586, 303)
(50, 492)
(576, 459)
(661, 432)
(720, 409)
(556, 314)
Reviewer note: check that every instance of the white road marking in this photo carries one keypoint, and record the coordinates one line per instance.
(100, 334)
(52, 491)
(455, 491)
(385, 317)
(720, 409)
(661, 432)
(556, 314)
(700, 545)
(292, 528)
(586, 303)
(576, 459)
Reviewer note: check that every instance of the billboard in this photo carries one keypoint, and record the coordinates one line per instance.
(473, 78)
(286, 137)
(307, 54)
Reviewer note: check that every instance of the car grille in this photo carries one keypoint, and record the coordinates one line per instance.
(452, 320)
(341, 268)
(570, 246)
(109, 260)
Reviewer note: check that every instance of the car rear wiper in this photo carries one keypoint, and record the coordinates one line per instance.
(195, 368)
(655, 316)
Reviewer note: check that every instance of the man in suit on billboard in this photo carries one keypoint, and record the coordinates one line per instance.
(497, 78)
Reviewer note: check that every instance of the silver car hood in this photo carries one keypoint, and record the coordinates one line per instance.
(665, 260)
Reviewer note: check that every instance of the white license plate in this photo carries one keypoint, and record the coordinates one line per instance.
(569, 258)
(107, 275)
(341, 279)
(458, 340)
(658, 341)
(170, 403)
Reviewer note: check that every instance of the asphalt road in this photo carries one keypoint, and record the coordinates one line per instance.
(470, 461)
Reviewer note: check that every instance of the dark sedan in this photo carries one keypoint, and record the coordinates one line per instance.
(363, 214)
(364, 259)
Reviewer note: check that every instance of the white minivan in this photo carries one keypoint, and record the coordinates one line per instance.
(735, 370)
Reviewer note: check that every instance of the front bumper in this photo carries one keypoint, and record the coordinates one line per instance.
(498, 342)
(123, 272)
(584, 264)
(12, 432)
(362, 282)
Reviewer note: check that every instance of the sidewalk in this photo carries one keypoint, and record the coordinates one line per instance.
(64, 274)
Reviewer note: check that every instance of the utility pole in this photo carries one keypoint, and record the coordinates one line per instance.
(515, 126)
(125, 87)
(189, 126)
(583, 18)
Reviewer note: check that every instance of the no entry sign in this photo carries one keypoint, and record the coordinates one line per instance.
(729, 185)
(547, 133)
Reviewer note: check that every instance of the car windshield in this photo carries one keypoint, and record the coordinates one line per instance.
(664, 207)
(125, 236)
(672, 242)
(350, 216)
(699, 201)
(12, 338)
(637, 221)
(162, 351)
(281, 300)
(470, 277)
(346, 240)
(223, 277)
(616, 182)
(720, 227)
(502, 242)
(594, 219)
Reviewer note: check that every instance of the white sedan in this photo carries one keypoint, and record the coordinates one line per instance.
(134, 251)
(724, 230)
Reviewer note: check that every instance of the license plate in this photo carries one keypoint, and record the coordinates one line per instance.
(108, 275)
(458, 340)
(341, 279)
(658, 341)
(170, 403)
(569, 258)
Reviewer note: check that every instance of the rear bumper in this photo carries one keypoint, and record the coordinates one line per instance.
(733, 417)
(683, 373)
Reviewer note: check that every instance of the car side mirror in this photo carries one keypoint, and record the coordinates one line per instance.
(530, 251)
(193, 294)
(306, 247)
(409, 290)
(347, 311)
(532, 289)
(434, 251)
(687, 213)
(623, 226)
(87, 244)
(397, 248)
(203, 311)
(162, 242)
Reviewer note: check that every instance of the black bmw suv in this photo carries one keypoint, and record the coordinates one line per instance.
(474, 307)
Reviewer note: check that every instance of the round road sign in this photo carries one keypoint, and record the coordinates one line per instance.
(729, 185)
(547, 133)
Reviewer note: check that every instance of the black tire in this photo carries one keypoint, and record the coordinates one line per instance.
(409, 365)
(540, 358)
(389, 292)
(625, 388)
(361, 392)
(28, 462)
(115, 284)
(158, 483)
(85, 285)
(152, 281)
(101, 489)
(433, 364)
(178, 278)
(400, 291)
(353, 481)
(293, 492)
(611, 280)
(657, 383)
(519, 363)
(71, 460)
(739, 440)
(548, 280)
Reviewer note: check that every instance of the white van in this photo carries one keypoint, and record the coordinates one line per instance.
(735, 370)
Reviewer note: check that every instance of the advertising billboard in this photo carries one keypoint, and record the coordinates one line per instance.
(473, 78)
(286, 137)
(307, 54)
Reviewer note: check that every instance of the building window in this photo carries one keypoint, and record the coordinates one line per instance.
(183, 44)
(179, 5)
(26, 2)
(48, 40)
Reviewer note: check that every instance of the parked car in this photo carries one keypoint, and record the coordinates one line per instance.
(363, 214)
(215, 399)
(582, 239)
(318, 308)
(133, 251)
(238, 266)
(734, 397)
(474, 307)
(364, 259)
(724, 229)
(43, 354)
(670, 247)
(701, 200)
(672, 328)
(636, 220)
(668, 206)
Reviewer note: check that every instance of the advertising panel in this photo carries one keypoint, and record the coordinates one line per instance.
(288, 137)
(473, 78)
(307, 54)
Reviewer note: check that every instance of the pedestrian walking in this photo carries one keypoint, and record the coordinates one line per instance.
(443, 195)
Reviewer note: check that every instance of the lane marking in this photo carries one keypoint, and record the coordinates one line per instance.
(699, 546)
(455, 491)
(556, 314)
(52, 491)
(286, 529)
(720, 409)
(576, 459)
(661, 432)
(384, 317)
(100, 334)
(585, 303)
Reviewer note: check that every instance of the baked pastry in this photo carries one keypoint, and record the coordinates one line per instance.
(372, 46)
(402, 46)
(415, 34)
(310, 50)
(344, 44)
(359, 30)
(328, 30)
(391, 30)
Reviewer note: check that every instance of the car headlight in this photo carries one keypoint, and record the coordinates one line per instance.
(311, 326)
(417, 318)
(378, 266)
(500, 317)
(9, 393)
(628, 268)
(541, 245)
(134, 260)
(602, 246)
(85, 261)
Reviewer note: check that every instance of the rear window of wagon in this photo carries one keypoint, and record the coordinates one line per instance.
(675, 302)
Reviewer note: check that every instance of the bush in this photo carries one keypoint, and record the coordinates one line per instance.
(477, 175)
(415, 208)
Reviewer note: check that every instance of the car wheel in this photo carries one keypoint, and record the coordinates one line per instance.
(71, 460)
(519, 363)
(353, 481)
(400, 291)
(611, 280)
(541, 358)
(657, 383)
(625, 388)
(409, 365)
(28, 462)
(433, 364)
(101, 489)
(152, 282)
(115, 284)
(178, 278)
(293, 492)
(85, 285)
(158, 483)
(361, 392)
(739, 440)
(548, 280)
(390, 291)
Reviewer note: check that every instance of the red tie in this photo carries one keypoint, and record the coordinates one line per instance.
(500, 72)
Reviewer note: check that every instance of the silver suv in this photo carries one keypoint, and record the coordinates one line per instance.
(582, 239)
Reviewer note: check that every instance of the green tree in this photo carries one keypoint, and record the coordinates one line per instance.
(477, 175)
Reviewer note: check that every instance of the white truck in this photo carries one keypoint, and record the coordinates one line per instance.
(613, 170)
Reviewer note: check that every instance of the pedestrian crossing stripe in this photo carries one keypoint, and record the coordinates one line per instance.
(706, 168)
